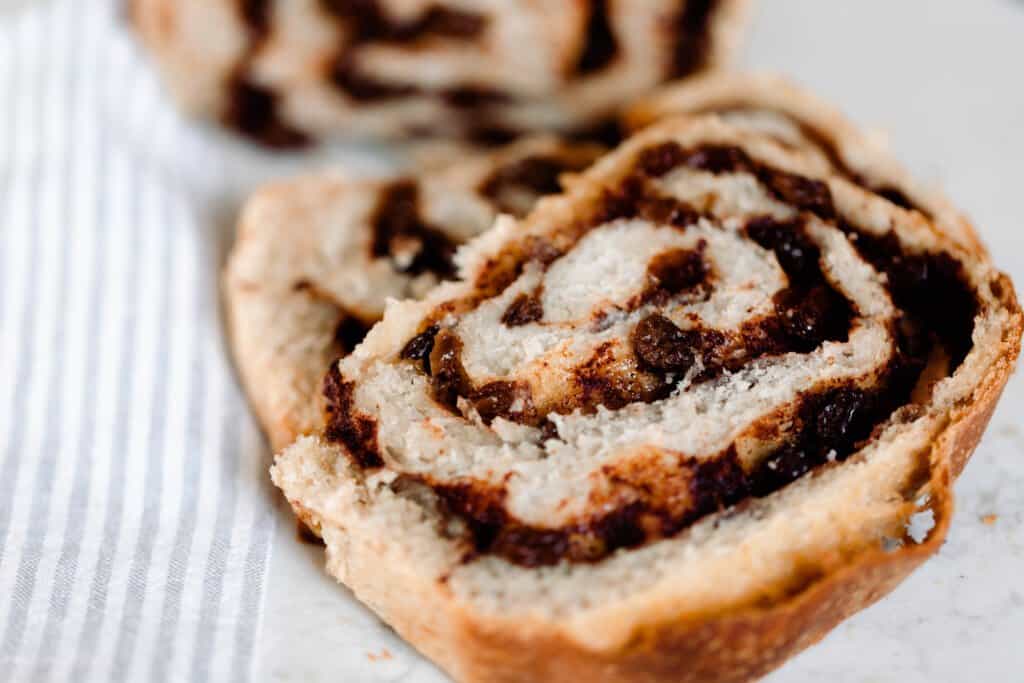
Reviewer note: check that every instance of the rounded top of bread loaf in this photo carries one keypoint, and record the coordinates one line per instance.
(797, 118)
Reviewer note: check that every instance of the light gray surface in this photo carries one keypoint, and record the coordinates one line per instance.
(942, 78)
(11, 5)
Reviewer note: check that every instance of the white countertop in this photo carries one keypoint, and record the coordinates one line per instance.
(945, 80)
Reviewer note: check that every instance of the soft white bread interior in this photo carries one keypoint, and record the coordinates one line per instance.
(673, 425)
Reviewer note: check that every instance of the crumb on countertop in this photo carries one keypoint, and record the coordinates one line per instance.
(989, 519)
(376, 657)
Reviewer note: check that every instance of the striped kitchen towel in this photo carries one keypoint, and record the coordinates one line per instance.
(135, 510)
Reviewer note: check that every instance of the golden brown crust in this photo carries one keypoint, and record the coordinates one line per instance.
(729, 648)
(969, 421)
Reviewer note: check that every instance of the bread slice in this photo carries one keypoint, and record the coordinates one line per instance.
(317, 257)
(672, 426)
(796, 117)
(283, 73)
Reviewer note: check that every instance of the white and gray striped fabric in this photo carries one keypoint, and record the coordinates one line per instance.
(135, 512)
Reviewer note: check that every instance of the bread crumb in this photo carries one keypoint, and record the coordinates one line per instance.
(384, 654)
(989, 519)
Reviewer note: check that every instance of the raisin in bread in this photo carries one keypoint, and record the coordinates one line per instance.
(798, 118)
(671, 426)
(283, 72)
(317, 257)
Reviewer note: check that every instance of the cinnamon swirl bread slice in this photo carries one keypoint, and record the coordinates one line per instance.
(798, 118)
(317, 257)
(284, 72)
(672, 426)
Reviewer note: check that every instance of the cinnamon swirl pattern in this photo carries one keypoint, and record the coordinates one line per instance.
(697, 284)
(799, 119)
(285, 71)
(317, 257)
(708, 345)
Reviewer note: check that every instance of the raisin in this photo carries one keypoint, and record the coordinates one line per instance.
(660, 345)
(526, 308)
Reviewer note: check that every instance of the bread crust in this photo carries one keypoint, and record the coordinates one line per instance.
(731, 643)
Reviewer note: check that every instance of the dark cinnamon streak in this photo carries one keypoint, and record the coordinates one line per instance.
(346, 425)
(901, 200)
(350, 329)
(350, 332)
(397, 224)
(524, 309)
(600, 45)
(450, 382)
(803, 193)
(252, 109)
(609, 132)
(256, 14)
(401, 231)
(366, 22)
(674, 272)
(534, 176)
(829, 422)
(827, 147)
(692, 35)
